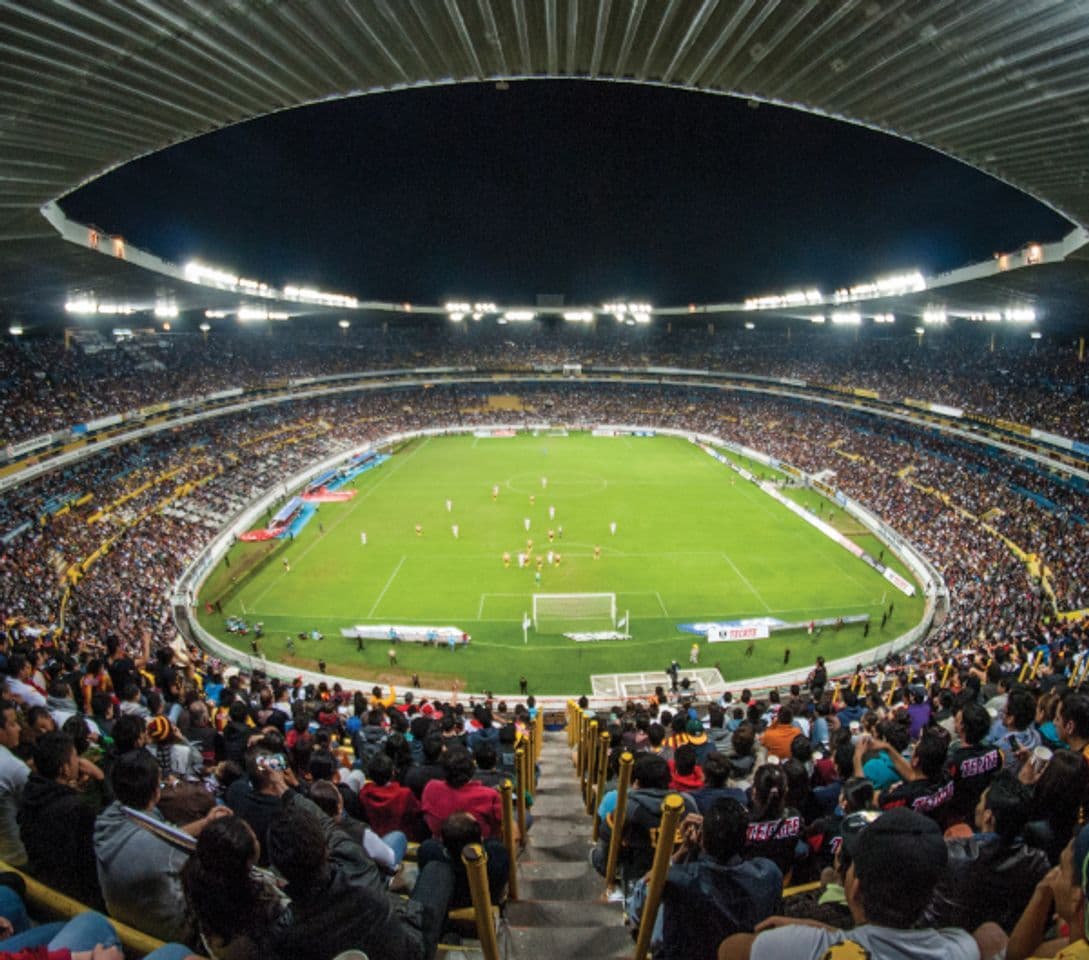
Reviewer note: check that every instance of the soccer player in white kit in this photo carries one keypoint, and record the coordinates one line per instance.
(551, 513)
(525, 523)
(454, 530)
(612, 528)
(449, 506)
(544, 482)
(363, 537)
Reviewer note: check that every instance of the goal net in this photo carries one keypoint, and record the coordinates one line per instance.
(560, 612)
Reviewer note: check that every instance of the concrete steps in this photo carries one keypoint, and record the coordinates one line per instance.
(562, 910)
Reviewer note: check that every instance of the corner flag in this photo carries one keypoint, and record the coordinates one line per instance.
(622, 622)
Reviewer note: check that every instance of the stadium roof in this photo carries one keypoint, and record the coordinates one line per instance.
(85, 88)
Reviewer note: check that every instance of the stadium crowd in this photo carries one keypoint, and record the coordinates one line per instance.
(327, 785)
(46, 387)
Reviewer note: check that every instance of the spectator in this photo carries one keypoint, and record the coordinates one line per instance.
(457, 793)
(386, 804)
(331, 914)
(897, 864)
(777, 738)
(61, 858)
(458, 831)
(13, 779)
(710, 892)
(972, 765)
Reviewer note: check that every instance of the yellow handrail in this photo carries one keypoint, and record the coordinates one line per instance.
(506, 791)
(520, 770)
(626, 761)
(476, 866)
(599, 787)
(672, 811)
(45, 901)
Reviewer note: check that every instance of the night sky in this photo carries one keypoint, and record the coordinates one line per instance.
(590, 190)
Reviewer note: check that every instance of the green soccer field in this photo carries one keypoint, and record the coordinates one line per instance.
(693, 542)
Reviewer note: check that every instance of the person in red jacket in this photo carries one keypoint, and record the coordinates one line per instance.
(459, 793)
(685, 775)
(388, 805)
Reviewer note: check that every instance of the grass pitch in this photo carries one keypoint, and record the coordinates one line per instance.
(693, 542)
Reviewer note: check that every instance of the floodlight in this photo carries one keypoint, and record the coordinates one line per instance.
(343, 324)
(846, 317)
(1021, 315)
(519, 316)
(205, 327)
(166, 311)
(817, 318)
(83, 304)
(247, 313)
(934, 315)
(15, 330)
(217, 314)
(579, 316)
(1036, 335)
(750, 326)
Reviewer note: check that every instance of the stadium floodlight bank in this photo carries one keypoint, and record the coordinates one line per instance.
(557, 612)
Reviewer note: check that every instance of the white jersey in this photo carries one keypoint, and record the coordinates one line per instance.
(363, 537)
(612, 528)
(521, 559)
(449, 505)
(454, 530)
(525, 523)
(544, 482)
(550, 556)
(551, 513)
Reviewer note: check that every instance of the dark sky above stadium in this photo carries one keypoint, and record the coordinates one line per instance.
(590, 190)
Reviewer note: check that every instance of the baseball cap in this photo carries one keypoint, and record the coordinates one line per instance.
(694, 727)
(852, 826)
(902, 841)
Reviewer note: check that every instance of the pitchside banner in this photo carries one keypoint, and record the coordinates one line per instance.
(727, 634)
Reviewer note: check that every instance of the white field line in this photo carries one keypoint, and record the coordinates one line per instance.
(355, 502)
(392, 577)
(745, 580)
(665, 612)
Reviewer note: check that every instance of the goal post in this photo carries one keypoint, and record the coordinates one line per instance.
(559, 612)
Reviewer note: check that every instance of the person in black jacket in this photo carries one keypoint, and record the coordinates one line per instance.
(992, 874)
(57, 823)
(332, 914)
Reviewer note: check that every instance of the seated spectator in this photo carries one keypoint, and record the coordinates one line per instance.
(174, 754)
(13, 778)
(88, 936)
(710, 892)
(1072, 722)
(897, 864)
(387, 851)
(387, 805)
(1058, 797)
(972, 765)
(430, 768)
(459, 830)
(686, 776)
(824, 835)
(852, 711)
(140, 875)
(774, 828)
(61, 858)
(1063, 892)
(486, 772)
(238, 914)
(1015, 731)
(777, 738)
(992, 874)
(716, 771)
(650, 779)
(458, 793)
(925, 786)
(331, 913)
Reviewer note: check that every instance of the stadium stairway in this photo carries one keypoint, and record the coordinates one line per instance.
(561, 910)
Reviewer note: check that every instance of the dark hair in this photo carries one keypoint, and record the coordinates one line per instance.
(380, 769)
(297, 849)
(216, 878)
(1021, 706)
(857, 794)
(931, 752)
(485, 755)
(134, 779)
(655, 734)
(651, 772)
(1009, 801)
(432, 745)
(743, 739)
(51, 753)
(725, 825)
(716, 770)
(327, 798)
(684, 759)
(458, 766)
(801, 749)
(769, 789)
(975, 721)
(1060, 793)
(1075, 708)
(458, 831)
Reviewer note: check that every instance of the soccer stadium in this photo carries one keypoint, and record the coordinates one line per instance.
(359, 601)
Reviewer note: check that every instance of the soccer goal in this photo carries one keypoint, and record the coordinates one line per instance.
(560, 612)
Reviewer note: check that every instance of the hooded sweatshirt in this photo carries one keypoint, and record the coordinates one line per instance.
(140, 876)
